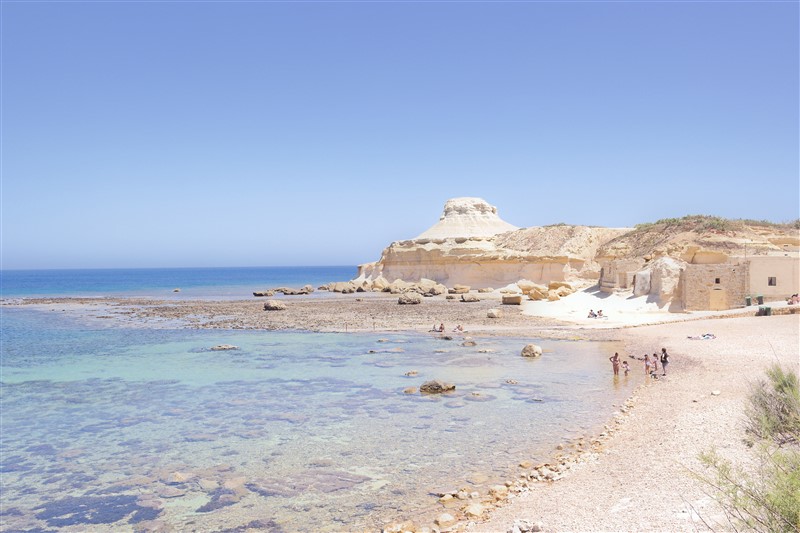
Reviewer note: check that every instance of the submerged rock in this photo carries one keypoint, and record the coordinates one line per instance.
(532, 350)
(223, 347)
(436, 386)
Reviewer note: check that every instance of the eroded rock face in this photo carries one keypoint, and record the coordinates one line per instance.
(471, 245)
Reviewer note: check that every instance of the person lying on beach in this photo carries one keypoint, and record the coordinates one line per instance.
(703, 337)
(458, 328)
(592, 314)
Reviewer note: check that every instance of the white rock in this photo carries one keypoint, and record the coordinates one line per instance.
(445, 520)
(467, 217)
(532, 350)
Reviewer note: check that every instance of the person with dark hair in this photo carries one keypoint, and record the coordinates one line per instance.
(664, 361)
(615, 363)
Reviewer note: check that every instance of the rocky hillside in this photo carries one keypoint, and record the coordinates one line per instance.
(700, 238)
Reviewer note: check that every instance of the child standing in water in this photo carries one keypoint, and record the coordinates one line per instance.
(625, 367)
(647, 364)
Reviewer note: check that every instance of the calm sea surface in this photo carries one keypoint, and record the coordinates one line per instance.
(114, 428)
(207, 283)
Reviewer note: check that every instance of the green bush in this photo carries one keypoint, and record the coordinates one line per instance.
(773, 411)
(768, 500)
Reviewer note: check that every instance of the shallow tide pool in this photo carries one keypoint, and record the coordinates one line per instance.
(127, 429)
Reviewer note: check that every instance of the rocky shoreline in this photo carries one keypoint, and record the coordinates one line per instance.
(673, 418)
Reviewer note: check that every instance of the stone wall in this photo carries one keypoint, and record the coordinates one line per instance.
(618, 274)
(784, 269)
(715, 287)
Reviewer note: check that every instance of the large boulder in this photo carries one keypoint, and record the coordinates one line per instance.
(345, 287)
(430, 287)
(532, 350)
(459, 289)
(553, 296)
(436, 386)
(469, 298)
(526, 285)
(274, 305)
(380, 284)
(555, 285)
(263, 293)
(409, 298)
(538, 294)
(399, 286)
(512, 299)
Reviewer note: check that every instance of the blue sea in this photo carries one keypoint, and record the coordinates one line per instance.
(119, 428)
(222, 283)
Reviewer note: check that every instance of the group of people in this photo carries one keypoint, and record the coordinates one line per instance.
(651, 363)
(440, 328)
(598, 314)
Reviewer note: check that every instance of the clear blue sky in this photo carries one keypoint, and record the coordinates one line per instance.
(235, 134)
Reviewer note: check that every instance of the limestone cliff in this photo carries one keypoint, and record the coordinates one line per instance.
(471, 245)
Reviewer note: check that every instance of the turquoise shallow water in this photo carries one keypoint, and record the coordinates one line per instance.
(129, 429)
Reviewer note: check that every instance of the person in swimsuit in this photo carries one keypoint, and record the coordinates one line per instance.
(626, 367)
(655, 362)
(647, 364)
(615, 363)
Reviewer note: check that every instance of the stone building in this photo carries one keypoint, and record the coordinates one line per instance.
(775, 277)
(715, 287)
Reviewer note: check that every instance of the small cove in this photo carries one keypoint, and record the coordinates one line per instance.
(130, 428)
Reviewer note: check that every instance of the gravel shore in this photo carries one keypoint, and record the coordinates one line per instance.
(643, 478)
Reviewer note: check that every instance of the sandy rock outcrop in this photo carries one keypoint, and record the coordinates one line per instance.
(660, 280)
(471, 245)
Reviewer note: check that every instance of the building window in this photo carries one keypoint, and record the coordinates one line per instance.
(772, 282)
(716, 280)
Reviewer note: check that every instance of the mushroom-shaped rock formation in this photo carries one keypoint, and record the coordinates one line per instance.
(467, 217)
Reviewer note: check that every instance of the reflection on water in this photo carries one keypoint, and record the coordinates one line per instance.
(144, 429)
